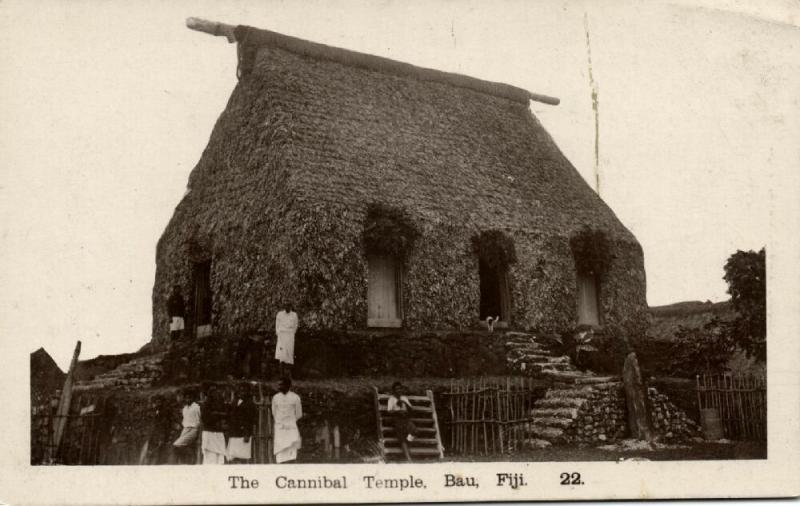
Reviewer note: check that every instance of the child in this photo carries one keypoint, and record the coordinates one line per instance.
(399, 407)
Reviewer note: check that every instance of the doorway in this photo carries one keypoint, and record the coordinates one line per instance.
(495, 296)
(201, 278)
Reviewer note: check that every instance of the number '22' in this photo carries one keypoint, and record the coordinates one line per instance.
(571, 479)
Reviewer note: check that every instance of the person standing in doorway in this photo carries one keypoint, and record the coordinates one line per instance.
(285, 329)
(286, 410)
(176, 309)
(186, 444)
(241, 420)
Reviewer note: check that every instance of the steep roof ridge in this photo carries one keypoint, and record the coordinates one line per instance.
(247, 35)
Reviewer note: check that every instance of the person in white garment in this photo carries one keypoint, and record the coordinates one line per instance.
(285, 328)
(286, 410)
(185, 448)
(213, 418)
(176, 310)
(243, 415)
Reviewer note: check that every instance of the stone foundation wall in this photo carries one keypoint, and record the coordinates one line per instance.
(604, 417)
(402, 354)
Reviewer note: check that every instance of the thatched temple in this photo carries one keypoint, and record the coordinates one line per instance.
(374, 194)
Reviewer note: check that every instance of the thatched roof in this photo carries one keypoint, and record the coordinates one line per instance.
(359, 128)
(246, 35)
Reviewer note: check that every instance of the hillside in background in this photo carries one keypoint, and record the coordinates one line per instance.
(665, 320)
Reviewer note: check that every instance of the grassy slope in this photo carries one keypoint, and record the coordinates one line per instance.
(665, 320)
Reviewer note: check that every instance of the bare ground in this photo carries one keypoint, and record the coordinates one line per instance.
(741, 450)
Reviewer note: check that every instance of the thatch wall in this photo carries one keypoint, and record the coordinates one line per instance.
(279, 199)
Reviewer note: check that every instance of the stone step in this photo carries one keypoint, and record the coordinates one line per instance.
(539, 361)
(516, 333)
(581, 392)
(561, 402)
(526, 348)
(537, 367)
(531, 357)
(593, 380)
(560, 423)
(563, 359)
(551, 434)
(554, 412)
(537, 444)
(556, 367)
(571, 377)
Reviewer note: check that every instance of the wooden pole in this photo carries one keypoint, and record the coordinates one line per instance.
(697, 389)
(499, 418)
(459, 411)
(472, 418)
(64, 402)
(212, 27)
(457, 444)
(337, 442)
(483, 416)
(452, 416)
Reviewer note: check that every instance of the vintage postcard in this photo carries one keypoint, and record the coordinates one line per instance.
(337, 252)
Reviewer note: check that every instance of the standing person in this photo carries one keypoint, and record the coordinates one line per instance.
(250, 356)
(159, 445)
(286, 410)
(400, 408)
(185, 444)
(176, 309)
(285, 328)
(241, 420)
(213, 437)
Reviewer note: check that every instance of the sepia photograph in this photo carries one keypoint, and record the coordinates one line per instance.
(385, 233)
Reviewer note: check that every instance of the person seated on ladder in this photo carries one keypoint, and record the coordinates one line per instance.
(399, 408)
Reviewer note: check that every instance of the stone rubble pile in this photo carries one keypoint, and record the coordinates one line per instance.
(602, 417)
(582, 407)
(670, 421)
(139, 373)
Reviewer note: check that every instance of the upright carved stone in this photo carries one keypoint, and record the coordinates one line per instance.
(636, 399)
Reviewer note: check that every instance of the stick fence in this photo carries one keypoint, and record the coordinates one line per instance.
(489, 416)
(740, 400)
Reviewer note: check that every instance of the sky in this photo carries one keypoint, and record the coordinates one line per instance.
(107, 106)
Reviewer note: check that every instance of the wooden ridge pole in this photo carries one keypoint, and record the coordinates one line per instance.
(346, 56)
(212, 28)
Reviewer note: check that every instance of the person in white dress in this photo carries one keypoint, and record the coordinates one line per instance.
(185, 445)
(286, 410)
(285, 328)
(213, 417)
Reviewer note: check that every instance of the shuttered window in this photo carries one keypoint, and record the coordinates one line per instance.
(588, 313)
(384, 297)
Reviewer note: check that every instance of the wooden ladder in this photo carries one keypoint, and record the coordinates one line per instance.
(428, 443)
